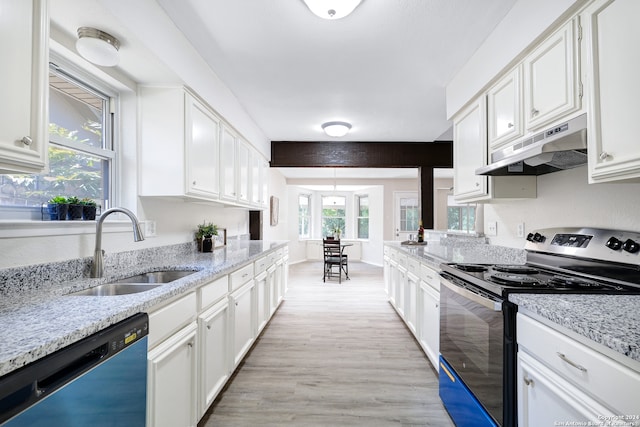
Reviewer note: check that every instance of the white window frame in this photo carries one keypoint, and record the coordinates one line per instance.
(308, 216)
(357, 198)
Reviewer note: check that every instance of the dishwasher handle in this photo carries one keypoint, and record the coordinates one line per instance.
(72, 370)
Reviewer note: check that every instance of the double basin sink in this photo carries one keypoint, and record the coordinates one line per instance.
(134, 284)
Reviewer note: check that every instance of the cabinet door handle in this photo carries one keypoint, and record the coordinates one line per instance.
(209, 327)
(510, 125)
(477, 184)
(534, 112)
(571, 362)
(604, 155)
(26, 140)
(528, 381)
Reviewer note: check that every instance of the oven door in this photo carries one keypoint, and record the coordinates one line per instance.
(472, 341)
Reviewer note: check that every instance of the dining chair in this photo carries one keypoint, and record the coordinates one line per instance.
(334, 257)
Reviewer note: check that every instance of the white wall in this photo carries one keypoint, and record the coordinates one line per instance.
(566, 199)
(278, 188)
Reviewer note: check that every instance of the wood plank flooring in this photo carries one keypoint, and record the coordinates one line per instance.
(332, 355)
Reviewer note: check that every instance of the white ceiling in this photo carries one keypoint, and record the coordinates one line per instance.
(384, 68)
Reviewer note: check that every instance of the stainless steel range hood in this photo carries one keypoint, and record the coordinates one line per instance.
(561, 147)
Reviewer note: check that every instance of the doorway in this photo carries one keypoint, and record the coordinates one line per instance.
(406, 213)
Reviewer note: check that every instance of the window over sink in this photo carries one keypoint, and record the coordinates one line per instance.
(81, 147)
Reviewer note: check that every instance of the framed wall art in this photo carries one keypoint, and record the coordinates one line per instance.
(275, 207)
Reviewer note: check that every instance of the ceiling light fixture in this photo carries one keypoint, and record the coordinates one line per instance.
(332, 9)
(98, 47)
(336, 129)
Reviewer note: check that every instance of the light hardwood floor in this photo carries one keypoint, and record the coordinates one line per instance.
(332, 355)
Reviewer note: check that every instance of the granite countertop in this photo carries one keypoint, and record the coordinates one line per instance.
(612, 321)
(38, 320)
(461, 250)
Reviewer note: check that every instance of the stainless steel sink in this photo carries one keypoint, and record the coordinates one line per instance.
(134, 284)
(156, 276)
(114, 289)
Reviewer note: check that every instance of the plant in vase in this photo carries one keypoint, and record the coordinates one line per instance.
(75, 208)
(89, 208)
(204, 236)
(57, 207)
(336, 233)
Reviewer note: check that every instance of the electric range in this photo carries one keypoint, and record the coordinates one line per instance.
(478, 323)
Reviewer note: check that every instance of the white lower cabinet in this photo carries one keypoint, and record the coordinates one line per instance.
(262, 295)
(414, 292)
(429, 321)
(197, 340)
(172, 380)
(561, 380)
(411, 301)
(213, 329)
(243, 315)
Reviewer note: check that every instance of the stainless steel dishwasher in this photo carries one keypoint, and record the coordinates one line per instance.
(98, 381)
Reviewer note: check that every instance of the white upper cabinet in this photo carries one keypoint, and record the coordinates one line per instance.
(179, 144)
(202, 149)
(612, 56)
(24, 117)
(552, 86)
(504, 105)
(228, 156)
(243, 168)
(470, 152)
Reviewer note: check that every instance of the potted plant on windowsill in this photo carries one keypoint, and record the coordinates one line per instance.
(75, 208)
(204, 236)
(57, 207)
(89, 208)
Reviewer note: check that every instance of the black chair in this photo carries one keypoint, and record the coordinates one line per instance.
(334, 257)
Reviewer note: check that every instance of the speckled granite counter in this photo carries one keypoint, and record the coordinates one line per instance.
(462, 250)
(610, 320)
(38, 317)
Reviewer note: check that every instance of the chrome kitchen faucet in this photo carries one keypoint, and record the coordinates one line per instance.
(97, 269)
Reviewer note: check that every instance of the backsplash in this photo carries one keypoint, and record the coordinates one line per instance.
(40, 276)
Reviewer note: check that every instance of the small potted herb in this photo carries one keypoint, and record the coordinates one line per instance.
(204, 236)
(89, 208)
(75, 208)
(57, 207)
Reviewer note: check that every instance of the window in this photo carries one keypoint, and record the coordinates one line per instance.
(80, 148)
(461, 217)
(362, 203)
(304, 216)
(409, 214)
(333, 215)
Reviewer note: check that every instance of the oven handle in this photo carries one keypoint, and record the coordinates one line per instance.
(470, 295)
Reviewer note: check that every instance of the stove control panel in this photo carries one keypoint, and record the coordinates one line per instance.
(594, 243)
(571, 240)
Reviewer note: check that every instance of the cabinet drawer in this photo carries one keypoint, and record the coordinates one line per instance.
(240, 277)
(612, 383)
(170, 318)
(213, 292)
(430, 276)
(401, 259)
(261, 265)
(413, 265)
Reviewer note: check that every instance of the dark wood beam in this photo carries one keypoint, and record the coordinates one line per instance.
(426, 197)
(423, 155)
(361, 154)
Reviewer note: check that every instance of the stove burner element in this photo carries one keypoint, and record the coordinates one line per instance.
(517, 269)
(471, 268)
(574, 283)
(514, 279)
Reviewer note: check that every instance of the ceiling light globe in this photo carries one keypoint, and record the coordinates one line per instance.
(332, 9)
(336, 129)
(98, 47)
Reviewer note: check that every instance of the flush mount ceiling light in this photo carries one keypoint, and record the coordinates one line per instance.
(336, 129)
(98, 47)
(332, 9)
